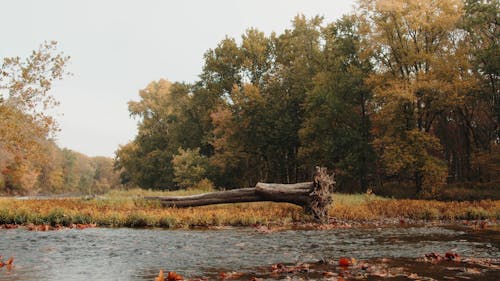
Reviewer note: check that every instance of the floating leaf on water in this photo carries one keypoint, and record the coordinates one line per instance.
(160, 276)
(433, 257)
(452, 256)
(344, 262)
(172, 276)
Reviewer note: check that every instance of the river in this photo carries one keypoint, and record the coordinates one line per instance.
(139, 254)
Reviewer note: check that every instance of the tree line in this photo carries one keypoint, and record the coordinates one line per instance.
(402, 91)
(30, 161)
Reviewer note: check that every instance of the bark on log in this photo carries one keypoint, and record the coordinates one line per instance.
(315, 197)
(221, 197)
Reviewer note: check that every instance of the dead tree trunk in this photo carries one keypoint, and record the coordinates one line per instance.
(315, 197)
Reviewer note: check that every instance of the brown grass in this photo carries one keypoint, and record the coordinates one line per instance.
(128, 209)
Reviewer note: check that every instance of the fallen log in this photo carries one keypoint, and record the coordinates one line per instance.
(315, 197)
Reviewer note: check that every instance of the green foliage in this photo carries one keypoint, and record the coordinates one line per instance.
(5, 216)
(57, 216)
(167, 121)
(337, 126)
(80, 218)
(189, 167)
(138, 219)
(403, 93)
(167, 222)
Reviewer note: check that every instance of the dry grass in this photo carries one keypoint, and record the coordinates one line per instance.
(127, 208)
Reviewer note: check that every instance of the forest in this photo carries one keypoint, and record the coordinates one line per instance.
(30, 161)
(400, 97)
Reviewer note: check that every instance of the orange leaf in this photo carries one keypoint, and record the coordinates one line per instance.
(160, 276)
(172, 276)
(344, 262)
(9, 261)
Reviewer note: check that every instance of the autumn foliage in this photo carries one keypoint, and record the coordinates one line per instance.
(401, 92)
(30, 161)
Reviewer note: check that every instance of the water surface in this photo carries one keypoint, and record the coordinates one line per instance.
(138, 254)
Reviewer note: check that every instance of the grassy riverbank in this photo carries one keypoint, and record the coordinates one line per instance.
(128, 209)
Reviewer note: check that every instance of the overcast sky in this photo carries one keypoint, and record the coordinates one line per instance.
(118, 47)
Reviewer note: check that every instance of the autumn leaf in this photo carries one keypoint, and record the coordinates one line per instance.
(433, 257)
(9, 261)
(160, 276)
(172, 276)
(344, 262)
(452, 256)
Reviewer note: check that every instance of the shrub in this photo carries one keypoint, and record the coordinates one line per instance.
(138, 219)
(5, 216)
(205, 185)
(57, 216)
(167, 222)
(189, 167)
(82, 218)
(21, 216)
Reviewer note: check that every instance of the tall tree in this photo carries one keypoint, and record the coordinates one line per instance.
(480, 115)
(297, 61)
(25, 97)
(414, 44)
(337, 125)
(270, 77)
(166, 122)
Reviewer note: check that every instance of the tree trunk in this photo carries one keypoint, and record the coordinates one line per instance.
(315, 197)
(419, 182)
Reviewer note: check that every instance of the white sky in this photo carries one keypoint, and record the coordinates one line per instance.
(118, 47)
